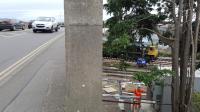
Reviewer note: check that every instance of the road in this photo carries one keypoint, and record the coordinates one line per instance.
(38, 85)
(15, 45)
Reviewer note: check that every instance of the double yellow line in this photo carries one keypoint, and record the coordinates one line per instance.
(17, 66)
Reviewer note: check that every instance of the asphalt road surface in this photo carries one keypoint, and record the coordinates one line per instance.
(14, 45)
(38, 84)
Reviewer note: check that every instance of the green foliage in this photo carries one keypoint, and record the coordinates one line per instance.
(130, 17)
(123, 65)
(141, 6)
(196, 102)
(198, 66)
(165, 54)
(155, 75)
(120, 44)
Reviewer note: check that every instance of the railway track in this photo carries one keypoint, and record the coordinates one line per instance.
(161, 61)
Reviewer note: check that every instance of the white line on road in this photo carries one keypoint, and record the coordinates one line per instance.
(19, 64)
(11, 35)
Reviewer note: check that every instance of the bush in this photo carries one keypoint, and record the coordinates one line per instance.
(196, 102)
(155, 75)
(164, 54)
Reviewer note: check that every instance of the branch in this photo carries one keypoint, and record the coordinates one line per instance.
(144, 18)
(164, 39)
(199, 39)
(174, 11)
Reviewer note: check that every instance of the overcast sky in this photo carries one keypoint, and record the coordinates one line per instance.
(30, 9)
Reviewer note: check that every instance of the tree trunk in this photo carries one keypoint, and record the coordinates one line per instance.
(175, 57)
(194, 53)
(182, 84)
(185, 54)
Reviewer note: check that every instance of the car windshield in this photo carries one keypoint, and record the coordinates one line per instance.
(44, 19)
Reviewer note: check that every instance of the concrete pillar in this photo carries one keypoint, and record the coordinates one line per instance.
(83, 20)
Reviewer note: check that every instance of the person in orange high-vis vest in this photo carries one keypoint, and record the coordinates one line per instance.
(138, 96)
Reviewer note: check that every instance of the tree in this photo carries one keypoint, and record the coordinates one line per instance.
(184, 37)
(134, 18)
(129, 17)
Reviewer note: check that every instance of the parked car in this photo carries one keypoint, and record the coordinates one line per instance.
(30, 24)
(45, 24)
(61, 24)
(11, 24)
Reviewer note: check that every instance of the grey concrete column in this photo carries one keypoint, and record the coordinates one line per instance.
(83, 19)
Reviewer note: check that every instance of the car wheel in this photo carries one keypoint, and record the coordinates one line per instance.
(51, 31)
(34, 31)
(0, 29)
(56, 29)
(13, 28)
(23, 27)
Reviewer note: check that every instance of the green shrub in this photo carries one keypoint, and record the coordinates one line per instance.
(196, 102)
(155, 75)
(164, 54)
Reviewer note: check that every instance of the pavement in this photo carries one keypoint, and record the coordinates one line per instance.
(40, 85)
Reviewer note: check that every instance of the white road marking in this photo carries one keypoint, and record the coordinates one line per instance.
(22, 62)
(13, 34)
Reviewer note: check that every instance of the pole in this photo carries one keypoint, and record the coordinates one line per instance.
(83, 20)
